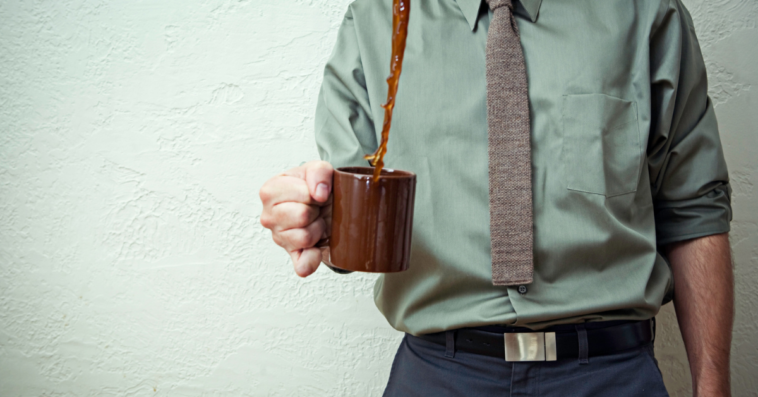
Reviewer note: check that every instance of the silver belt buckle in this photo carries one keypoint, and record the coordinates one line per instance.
(530, 346)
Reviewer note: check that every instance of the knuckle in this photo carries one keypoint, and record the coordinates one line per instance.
(322, 165)
(266, 221)
(265, 193)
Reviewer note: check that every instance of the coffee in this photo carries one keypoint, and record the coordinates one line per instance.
(400, 15)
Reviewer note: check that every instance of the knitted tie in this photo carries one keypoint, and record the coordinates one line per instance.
(510, 172)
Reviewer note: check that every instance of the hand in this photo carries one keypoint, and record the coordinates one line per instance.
(297, 209)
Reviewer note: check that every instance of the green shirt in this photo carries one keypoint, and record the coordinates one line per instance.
(626, 154)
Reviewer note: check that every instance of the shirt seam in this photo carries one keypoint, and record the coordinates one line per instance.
(659, 18)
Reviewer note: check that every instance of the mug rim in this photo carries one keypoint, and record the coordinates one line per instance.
(392, 173)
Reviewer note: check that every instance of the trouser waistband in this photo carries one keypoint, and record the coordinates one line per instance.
(555, 343)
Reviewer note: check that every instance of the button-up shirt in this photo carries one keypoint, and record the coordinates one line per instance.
(626, 155)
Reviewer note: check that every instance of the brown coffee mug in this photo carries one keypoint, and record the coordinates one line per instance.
(372, 221)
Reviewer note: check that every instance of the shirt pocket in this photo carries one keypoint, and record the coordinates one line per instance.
(601, 144)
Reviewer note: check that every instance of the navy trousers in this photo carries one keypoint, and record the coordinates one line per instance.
(423, 369)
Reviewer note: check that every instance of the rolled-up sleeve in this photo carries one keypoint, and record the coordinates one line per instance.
(688, 173)
(344, 125)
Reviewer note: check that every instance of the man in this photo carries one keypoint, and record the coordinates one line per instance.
(630, 195)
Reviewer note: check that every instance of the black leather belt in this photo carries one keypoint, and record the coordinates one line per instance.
(559, 342)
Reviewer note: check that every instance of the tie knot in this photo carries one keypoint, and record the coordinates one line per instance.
(495, 4)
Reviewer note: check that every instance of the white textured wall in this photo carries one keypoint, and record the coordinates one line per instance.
(134, 136)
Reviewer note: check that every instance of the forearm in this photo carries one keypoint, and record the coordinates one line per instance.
(704, 302)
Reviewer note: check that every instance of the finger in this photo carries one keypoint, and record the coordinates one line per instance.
(297, 172)
(306, 261)
(318, 177)
(284, 188)
(297, 239)
(291, 215)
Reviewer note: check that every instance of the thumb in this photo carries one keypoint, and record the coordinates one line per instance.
(318, 177)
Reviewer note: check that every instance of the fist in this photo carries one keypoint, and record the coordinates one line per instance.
(297, 210)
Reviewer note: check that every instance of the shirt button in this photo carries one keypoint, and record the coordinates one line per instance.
(522, 289)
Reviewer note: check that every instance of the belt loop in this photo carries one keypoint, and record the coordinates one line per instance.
(581, 333)
(450, 344)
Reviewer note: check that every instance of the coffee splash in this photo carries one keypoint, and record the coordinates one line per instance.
(400, 14)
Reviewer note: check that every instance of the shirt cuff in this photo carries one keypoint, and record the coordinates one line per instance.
(693, 218)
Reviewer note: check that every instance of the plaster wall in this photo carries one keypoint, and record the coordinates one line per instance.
(134, 137)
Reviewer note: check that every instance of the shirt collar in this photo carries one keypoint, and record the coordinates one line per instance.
(524, 8)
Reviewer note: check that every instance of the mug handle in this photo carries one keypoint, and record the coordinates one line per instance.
(324, 243)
